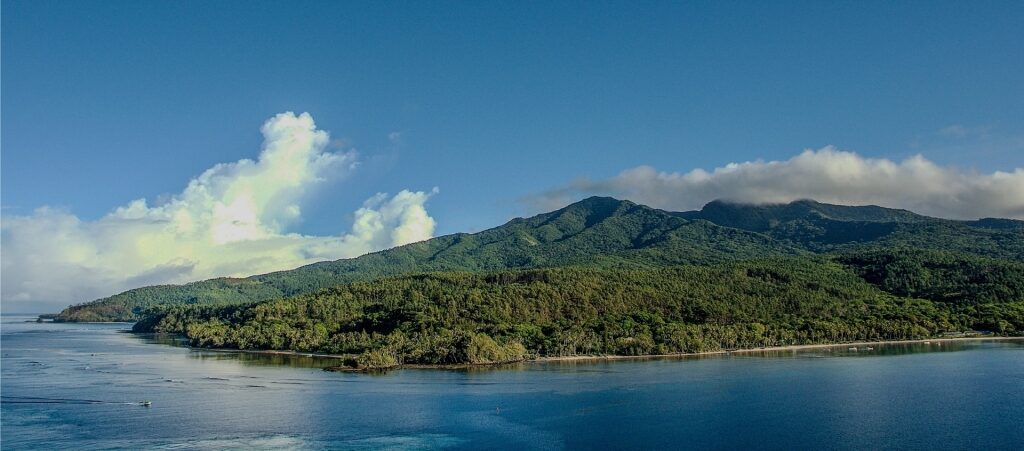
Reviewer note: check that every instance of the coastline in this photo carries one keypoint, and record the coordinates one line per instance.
(766, 349)
(598, 358)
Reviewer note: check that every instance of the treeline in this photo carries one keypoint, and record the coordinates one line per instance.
(939, 276)
(128, 306)
(448, 318)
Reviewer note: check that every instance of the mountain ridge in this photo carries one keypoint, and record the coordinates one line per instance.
(600, 232)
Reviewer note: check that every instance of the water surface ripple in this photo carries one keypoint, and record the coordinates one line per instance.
(77, 386)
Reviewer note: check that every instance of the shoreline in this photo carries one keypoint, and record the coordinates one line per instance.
(599, 358)
(766, 349)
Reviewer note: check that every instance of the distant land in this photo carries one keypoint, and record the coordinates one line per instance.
(610, 277)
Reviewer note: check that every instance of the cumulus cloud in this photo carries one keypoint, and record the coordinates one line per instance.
(827, 175)
(232, 220)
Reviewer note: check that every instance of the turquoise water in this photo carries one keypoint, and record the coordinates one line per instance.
(949, 396)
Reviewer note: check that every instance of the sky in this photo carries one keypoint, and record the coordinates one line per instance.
(164, 142)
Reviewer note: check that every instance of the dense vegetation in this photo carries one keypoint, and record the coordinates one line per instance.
(127, 306)
(818, 227)
(939, 276)
(603, 233)
(458, 317)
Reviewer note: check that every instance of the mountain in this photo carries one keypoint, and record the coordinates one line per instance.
(769, 216)
(818, 227)
(602, 232)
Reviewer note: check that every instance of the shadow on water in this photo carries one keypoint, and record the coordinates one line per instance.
(831, 351)
(876, 350)
(243, 357)
(252, 358)
(160, 339)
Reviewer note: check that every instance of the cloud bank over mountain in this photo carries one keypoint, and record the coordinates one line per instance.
(827, 175)
(231, 220)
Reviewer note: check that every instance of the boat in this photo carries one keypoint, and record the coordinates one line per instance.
(146, 403)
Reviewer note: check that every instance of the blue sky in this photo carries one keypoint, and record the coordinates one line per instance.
(105, 102)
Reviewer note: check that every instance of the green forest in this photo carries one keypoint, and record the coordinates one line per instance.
(502, 316)
(614, 235)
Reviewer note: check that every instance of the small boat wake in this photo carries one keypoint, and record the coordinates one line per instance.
(40, 400)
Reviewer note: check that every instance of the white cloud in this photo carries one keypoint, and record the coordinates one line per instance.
(395, 138)
(232, 220)
(961, 131)
(827, 175)
(383, 222)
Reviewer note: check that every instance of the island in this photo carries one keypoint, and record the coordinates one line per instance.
(607, 277)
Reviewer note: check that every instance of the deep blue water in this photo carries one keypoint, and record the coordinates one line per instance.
(949, 396)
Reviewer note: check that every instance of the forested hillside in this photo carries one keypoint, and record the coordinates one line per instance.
(604, 233)
(458, 317)
(819, 227)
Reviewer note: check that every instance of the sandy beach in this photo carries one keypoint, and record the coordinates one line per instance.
(856, 344)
